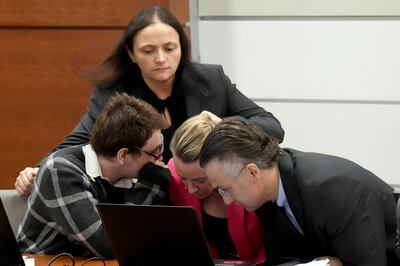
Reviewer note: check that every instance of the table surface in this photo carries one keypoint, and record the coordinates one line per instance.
(43, 260)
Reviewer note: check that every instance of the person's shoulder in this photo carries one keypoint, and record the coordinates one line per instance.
(120, 86)
(70, 150)
(313, 157)
(67, 162)
(71, 156)
(171, 164)
(212, 75)
(175, 176)
(206, 67)
(319, 168)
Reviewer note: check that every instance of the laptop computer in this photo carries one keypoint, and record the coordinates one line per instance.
(157, 235)
(9, 252)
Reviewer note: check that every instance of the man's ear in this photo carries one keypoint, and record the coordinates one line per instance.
(254, 171)
(122, 155)
(130, 54)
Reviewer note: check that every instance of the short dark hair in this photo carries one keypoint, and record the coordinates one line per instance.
(124, 122)
(238, 139)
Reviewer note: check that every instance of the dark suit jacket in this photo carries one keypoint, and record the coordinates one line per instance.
(343, 209)
(218, 95)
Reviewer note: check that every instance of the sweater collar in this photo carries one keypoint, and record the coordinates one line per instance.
(93, 168)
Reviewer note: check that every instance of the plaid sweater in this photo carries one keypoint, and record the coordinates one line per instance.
(62, 215)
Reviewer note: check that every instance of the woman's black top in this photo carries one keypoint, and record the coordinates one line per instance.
(177, 110)
(216, 231)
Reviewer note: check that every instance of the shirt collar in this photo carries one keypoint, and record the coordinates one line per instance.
(93, 168)
(281, 201)
(92, 164)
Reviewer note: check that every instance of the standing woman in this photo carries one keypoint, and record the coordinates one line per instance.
(152, 62)
(231, 231)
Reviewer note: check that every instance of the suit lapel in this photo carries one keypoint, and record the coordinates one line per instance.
(282, 238)
(291, 188)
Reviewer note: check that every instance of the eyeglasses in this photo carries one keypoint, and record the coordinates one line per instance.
(156, 157)
(161, 148)
(225, 191)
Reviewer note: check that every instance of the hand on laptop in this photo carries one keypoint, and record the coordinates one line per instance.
(333, 261)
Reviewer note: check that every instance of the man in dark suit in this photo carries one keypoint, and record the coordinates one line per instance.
(311, 205)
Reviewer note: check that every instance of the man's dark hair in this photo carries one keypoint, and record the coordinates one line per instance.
(124, 122)
(237, 139)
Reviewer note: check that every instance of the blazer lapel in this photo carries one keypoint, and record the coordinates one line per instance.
(281, 237)
(196, 95)
(292, 190)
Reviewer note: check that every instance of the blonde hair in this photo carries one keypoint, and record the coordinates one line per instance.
(188, 139)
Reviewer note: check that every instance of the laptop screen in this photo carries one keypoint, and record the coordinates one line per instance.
(9, 252)
(155, 235)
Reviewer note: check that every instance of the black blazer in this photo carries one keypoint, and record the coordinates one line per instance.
(343, 209)
(218, 95)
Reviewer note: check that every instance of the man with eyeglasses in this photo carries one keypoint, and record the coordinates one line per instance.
(312, 206)
(119, 165)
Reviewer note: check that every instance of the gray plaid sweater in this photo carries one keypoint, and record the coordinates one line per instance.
(62, 214)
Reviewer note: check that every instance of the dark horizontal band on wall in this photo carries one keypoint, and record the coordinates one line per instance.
(330, 101)
(95, 27)
(341, 18)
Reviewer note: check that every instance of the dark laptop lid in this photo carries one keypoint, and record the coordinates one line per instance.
(155, 235)
(9, 252)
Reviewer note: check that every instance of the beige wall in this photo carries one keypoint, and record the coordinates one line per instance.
(299, 8)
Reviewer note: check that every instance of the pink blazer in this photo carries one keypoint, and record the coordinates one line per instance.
(245, 229)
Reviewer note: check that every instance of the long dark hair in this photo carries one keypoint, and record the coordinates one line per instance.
(119, 66)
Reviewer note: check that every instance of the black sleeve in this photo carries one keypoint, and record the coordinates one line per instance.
(152, 186)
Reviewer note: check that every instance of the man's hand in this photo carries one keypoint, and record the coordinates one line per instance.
(333, 261)
(25, 180)
(213, 117)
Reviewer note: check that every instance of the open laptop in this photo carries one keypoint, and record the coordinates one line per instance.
(9, 252)
(156, 235)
